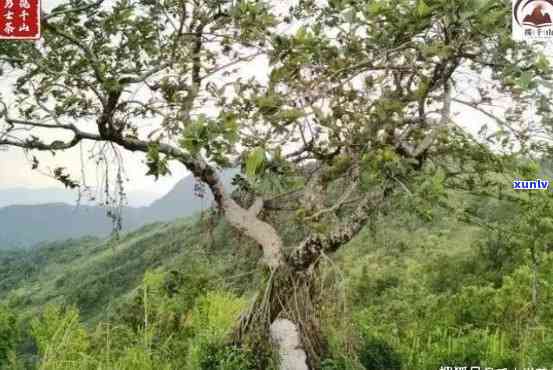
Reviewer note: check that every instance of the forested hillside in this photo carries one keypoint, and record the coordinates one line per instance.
(420, 288)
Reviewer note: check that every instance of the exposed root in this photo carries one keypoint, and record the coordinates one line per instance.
(288, 295)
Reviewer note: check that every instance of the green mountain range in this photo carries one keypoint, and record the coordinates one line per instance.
(22, 226)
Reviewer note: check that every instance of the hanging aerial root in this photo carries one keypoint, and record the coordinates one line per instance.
(287, 296)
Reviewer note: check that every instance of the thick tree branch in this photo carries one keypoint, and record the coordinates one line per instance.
(257, 206)
(311, 248)
(415, 151)
(342, 200)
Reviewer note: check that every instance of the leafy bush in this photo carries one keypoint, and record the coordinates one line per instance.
(221, 357)
(210, 322)
(377, 354)
(9, 333)
(541, 354)
(61, 339)
(340, 363)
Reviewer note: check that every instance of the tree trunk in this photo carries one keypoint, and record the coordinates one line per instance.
(285, 334)
(247, 222)
(286, 310)
(285, 314)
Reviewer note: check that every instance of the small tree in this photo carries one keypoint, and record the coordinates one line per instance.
(354, 110)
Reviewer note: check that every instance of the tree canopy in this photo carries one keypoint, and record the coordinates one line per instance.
(332, 109)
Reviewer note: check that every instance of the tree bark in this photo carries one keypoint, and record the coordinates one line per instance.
(262, 232)
(287, 338)
(285, 313)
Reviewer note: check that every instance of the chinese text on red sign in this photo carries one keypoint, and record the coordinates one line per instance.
(19, 19)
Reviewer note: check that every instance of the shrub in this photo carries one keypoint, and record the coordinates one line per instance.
(377, 354)
(8, 333)
(541, 354)
(61, 339)
(221, 357)
(341, 363)
(211, 321)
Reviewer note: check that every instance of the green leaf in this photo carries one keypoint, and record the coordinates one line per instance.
(301, 35)
(524, 80)
(374, 8)
(254, 161)
(231, 129)
(290, 115)
(423, 9)
(350, 15)
(542, 64)
(157, 165)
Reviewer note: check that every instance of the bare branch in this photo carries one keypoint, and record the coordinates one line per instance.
(474, 105)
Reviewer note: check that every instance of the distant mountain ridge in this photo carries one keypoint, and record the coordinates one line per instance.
(25, 225)
(181, 200)
(22, 226)
(28, 196)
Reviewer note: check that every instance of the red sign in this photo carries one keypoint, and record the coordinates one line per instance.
(19, 19)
